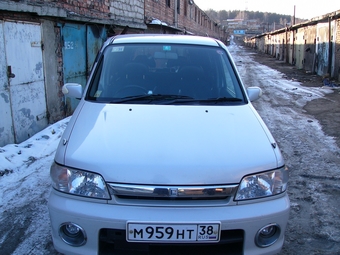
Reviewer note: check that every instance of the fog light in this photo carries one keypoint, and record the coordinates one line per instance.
(72, 229)
(267, 235)
(72, 234)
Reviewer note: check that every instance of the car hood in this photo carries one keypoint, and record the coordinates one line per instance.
(168, 144)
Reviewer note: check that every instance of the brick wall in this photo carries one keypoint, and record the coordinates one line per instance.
(94, 9)
(159, 10)
(117, 12)
(190, 17)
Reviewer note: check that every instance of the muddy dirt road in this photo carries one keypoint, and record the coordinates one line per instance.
(303, 119)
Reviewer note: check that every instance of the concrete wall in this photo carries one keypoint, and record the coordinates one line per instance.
(53, 70)
(125, 12)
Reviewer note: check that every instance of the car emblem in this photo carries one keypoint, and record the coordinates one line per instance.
(173, 192)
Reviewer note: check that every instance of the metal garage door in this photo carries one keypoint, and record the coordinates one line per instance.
(81, 44)
(6, 134)
(24, 79)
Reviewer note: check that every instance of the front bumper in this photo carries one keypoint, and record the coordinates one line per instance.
(98, 216)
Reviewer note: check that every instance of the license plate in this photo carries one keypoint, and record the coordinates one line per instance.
(174, 232)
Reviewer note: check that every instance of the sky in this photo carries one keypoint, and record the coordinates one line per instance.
(304, 9)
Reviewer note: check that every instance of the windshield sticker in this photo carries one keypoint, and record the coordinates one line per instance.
(118, 49)
(167, 48)
(98, 93)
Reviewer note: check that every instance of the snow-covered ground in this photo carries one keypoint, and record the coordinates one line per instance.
(24, 168)
(25, 186)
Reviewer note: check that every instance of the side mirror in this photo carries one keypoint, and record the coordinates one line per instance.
(72, 90)
(254, 93)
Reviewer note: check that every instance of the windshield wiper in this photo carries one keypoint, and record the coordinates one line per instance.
(187, 99)
(170, 99)
(156, 97)
(222, 99)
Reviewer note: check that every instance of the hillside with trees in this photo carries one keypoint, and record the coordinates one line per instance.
(261, 17)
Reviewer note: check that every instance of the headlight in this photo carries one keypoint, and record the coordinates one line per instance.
(78, 182)
(263, 184)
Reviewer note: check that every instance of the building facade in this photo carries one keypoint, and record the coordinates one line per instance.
(313, 46)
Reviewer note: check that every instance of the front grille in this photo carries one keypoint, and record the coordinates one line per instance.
(173, 198)
(113, 242)
(168, 192)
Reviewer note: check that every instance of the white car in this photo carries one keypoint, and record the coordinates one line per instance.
(165, 154)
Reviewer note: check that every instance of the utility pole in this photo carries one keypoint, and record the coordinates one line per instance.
(330, 47)
(293, 31)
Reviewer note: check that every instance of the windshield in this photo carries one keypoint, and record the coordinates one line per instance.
(163, 74)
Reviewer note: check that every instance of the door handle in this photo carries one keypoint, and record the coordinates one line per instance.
(9, 72)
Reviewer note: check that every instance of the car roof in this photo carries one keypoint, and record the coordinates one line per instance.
(161, 38)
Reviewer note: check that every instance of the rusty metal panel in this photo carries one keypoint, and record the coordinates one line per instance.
(81, 45)
(26, 85)
(96, 36)
(74, 58)
(74, 53)
(6, 128)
